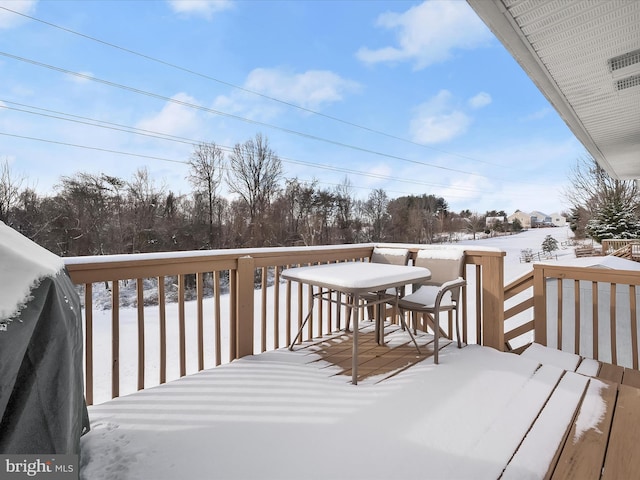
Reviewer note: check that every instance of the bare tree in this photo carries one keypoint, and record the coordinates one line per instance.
(205, 166)
(475, 223)
(344, 211)
(84, 219)
(9, 190)
(254, 174)
(592, 190)
(376, 209)
(145, 202)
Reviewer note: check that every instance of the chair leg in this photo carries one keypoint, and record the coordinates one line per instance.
(458, 327)
(405, 327)
(371, 313)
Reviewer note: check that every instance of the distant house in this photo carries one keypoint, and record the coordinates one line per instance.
(558, 220)
(522, 217)
(537, 219)
(491, 221)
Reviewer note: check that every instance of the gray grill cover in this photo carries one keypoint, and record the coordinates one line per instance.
(42, 405)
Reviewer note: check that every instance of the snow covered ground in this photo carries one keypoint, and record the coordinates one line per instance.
(299, 422)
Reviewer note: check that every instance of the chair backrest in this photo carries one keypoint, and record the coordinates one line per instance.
(445, 264)
(393, 256)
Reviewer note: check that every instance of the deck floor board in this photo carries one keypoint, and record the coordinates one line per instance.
(584, 452)
(625, 435)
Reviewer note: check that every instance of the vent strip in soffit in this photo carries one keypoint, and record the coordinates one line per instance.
(624, 61)
(628, 82)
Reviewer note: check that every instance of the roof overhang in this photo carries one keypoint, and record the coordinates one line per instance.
(566, 48)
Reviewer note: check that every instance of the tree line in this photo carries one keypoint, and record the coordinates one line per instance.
(99, 214)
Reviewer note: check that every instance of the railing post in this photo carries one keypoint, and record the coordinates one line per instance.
(493, 301)
(540, 305)
(244, 306)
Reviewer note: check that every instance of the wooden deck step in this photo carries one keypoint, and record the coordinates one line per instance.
(603, 439)
(559, 411)
(622, 459)
(584, 450)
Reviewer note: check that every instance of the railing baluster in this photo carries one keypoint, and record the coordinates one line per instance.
(181, 325)
(288, 313)
(216, 317)
(200, 317)
(559, 344)
(88, 349)
(594, 296)
(320, 313)
(115, 339)
(140, 305)
(263, 309)
(162, 320)
(310, 306)
(612, 324)
(276, 307)
(634, 325)
(576, 314)
(478, 304)
(233, 314)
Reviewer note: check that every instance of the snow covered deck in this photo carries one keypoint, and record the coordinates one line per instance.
(480, 414)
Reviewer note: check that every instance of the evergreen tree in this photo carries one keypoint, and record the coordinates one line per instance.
(516, 226)
(614, 220)
(549, 244)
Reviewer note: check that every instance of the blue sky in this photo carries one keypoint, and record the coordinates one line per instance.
(411, 97)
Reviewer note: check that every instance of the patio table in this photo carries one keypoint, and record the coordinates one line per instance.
(354, 279)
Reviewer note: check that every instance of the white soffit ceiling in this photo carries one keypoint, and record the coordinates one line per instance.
(585, 58)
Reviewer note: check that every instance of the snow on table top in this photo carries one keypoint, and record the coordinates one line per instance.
(357, 277)
(23, 264)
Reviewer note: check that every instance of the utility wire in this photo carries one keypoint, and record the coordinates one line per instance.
(229, 115)
(127, 129)
(152, 157)
(246, 90)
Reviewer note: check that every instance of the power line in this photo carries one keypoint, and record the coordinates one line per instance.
(246, 90)
(107, 150)
(152, 157)
(229, 115)
(136, 131)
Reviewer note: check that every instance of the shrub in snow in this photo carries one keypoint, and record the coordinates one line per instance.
(549, 244)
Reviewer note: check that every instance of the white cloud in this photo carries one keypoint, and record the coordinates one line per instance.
(312, 89)
(200, 8)
(10, 19)
(480, 100)
(429, 33)
(173, 119)
(539, 115)
(438, 120)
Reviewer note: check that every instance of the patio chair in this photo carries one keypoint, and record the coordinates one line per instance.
(392, 256)
(439, 294)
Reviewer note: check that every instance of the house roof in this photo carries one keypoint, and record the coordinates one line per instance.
(584, 57)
